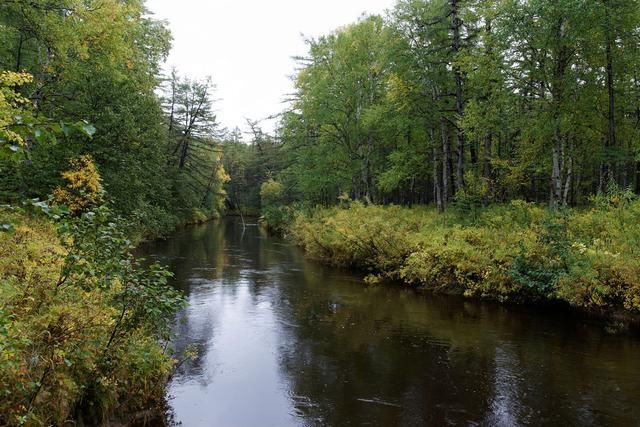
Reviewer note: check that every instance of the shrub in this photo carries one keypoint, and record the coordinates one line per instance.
(81, 321)
(83, 186)
(271, 192)
(517, 252)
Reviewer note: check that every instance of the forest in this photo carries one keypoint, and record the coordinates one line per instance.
(82, 79)
(489, 148)
(447, 100)
(98, 149)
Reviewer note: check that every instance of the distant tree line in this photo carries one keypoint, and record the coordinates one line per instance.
(468, 101)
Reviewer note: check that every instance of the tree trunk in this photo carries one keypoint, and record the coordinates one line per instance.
(486, 160)
(446, 171)
(437, 188)
(19, 54)
(456, 24)
(556, 177)
(562, 60)
(569, 177)
(366, 175)
(184, 151)
(606, 169)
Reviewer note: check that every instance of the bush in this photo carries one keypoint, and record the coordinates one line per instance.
(83, 186)
(81, 321)
(516, 252)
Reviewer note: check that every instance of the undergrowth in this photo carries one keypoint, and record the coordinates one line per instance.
(82, 321)
(517, 252)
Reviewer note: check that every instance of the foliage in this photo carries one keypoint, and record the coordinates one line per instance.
(271, 192)
(471, 198)
(12, 105)
(337, 113)
(518, 252)
(83, 187)
(80, 320)
(543, 263)
(249, 165)
(194, 156)
(91, 73)
(20, 125)
(467, 103)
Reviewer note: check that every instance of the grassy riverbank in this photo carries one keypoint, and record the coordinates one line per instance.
(518, 252)
(81, 321)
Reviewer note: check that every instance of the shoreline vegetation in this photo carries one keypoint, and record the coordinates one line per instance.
(100, 148)
(510, 128)
(519, 253)
(84, 324)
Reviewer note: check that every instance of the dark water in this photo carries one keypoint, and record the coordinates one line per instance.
(285, 342)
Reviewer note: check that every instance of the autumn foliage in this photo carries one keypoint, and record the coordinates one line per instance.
(83, 186)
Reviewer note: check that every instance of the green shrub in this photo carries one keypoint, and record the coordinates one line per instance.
(81, 321)
(541, 264)
(515, 252)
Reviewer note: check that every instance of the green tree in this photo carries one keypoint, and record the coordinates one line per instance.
(336, 112)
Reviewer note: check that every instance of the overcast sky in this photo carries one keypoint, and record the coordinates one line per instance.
(246, 46)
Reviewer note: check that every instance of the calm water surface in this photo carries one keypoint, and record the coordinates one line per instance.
(286, 342)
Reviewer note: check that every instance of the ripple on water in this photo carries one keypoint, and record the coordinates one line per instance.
(283, 341)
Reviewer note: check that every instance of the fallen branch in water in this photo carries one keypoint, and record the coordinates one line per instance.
(378, 402)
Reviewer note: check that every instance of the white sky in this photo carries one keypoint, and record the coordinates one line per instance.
(246, 46)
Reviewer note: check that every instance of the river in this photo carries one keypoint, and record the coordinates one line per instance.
(283, 341)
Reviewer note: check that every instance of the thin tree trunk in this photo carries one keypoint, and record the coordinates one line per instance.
(569, 176)
(486, 161)
(184, 152)
(610, 141)
(19, 54)
(562, 60)
(446, 171)
(174, 82)
(366, 176)
(456, 24)
(556, 177)
(437, 189)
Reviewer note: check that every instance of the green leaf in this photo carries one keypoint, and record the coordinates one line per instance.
(88, 129)
(6, 228)
(66, 129)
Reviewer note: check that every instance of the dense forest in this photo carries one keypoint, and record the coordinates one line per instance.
(445, 100)
(81, 79)
(98, 148)
(436, 102)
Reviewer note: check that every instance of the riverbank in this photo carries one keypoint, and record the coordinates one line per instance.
(81, 322)
(520, 253)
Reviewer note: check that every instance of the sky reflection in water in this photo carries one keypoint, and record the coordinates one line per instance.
(283, 341)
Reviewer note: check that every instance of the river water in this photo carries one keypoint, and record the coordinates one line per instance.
(283, 341)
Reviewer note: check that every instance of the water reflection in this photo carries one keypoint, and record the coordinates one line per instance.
(287, 342)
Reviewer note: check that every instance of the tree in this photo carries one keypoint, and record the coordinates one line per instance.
(338, 93)
(193, 151)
